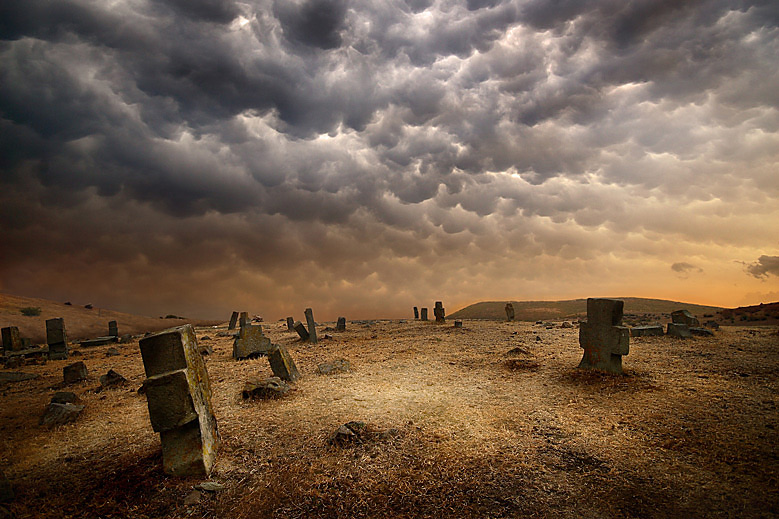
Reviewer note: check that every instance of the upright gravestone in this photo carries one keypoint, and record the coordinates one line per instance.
(603, 338)
(178, 394)
(233, 321)
(11, 339)
(423, 314)
(684, 317)
(290, 324)
(250, 342)
(113, 329)
(311, 325)
(416, 313)
(439, 312)
(301, 329)
(340, 326)
(509, 312)
(243, 320)
(56, 338)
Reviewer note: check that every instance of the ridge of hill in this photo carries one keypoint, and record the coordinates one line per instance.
(573, 308)
(80, 322)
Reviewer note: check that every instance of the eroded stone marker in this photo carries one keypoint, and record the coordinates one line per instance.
(12, 341)
(439, 312)
(301, 329)
(603, 337)
(113, 329)
(290, 324)
(75, 372)
(281, 363)
(684, 317)
(250, 343)
(233, 321)
(178, 394)
(311, 325)
(509, 312)
(416, 313)
(340, 326)
(423, 314)
(243, 320)
(56, 338)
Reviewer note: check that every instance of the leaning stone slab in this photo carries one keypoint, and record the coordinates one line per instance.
(603, 337)
(64, 397)
(311, 325)
(16, 376)
(684, 317)
(12, 341)
(679, 330)
(301, 329)
(703, 332)
(272, 387)
(646, 331)
(250, 343)
(336, 366)
(233, 321)
(290, 324)
(75, 372)
(60, 414)
(178, 394)
(282, 364)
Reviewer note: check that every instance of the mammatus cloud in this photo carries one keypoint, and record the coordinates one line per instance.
(764, 266)
(365, 156)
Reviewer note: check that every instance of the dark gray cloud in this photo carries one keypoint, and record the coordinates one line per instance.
(370, 142)
(764, 266)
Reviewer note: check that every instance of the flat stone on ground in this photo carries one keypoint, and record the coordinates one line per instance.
(333, 367)
(60, 414)
(272, 387)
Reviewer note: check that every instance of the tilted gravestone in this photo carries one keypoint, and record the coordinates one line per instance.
(113, 329)
(281, 363)
(250, 342)
(311, 326)
(75, 372)
(11, 339)
(423, 314)
(290, 324)
(602, 337)
(233, 321)
(684, 317)
(56, 338)
(340, 326)
(439, 312)
(301, 329)
(178, 394)
(509, 312)
(416, 313)
(679, 330)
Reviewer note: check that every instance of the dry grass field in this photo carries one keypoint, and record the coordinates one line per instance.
(457, 426)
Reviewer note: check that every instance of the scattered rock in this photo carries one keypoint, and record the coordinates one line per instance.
(228, 334)
(347, 434)
(111, 352)
(272, 387)
(75, 372)
(679, 330)
(538, 338)
(6, 490)
(522, 365)
(60, 414)
(714, 325)
(566, 324)
(205, 349)
(111, 379)
(13, 362)
(64, 397)
(76, 353)
(125, 338)
(697, 330)
(684, 317)
(282, 364)
(645, 331)
(336, 366)
(210, 486)
(205, 338)
(192, 498)
(518, 351)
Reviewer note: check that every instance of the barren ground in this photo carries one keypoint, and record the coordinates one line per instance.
(455, 427)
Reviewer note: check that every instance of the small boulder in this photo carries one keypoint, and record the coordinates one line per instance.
(679, 330)
(272, 387)
(566, 324)
(703, 332)
(75, 372)
(60, 414)
(111, 379)
(125, 338)
(64, 397)
(347, 434)
(111, 352)
(334, 367)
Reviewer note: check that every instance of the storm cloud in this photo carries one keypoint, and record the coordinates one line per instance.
(365, 157)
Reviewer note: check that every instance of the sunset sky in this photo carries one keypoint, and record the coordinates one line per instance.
(361, 157)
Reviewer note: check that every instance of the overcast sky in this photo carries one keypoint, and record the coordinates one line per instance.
(362, 157)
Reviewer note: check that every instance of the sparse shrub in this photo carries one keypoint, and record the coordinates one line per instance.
(30, 311)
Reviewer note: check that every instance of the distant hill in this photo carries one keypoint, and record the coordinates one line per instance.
(80, 322)
(762, 314)
(572, 309)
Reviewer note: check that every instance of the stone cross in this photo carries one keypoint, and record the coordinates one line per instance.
(250, 342)
(178, 394)
(233, 321)
(509, 311)
(340, 326)
(11, 339)
(439, 312)
(311, 325)
(416, 313)
(113, 329)
(603, 338)
(423, 314)
(290, 324)
(56, 338)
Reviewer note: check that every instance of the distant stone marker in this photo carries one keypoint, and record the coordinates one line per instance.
(290, 324)
(301, 329)
(509, 312)
(416, 313)
(56, 338)
(341, 324)
(178, 394)
(233, 321)
(113, 329)
(12, 341)
(281, 363)
(423, 314)
(439, 312)
(311, 326)
(250, 343)
(644, 331)
(602, 337)
(684, 317)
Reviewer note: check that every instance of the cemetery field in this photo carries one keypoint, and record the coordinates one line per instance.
(491, 420)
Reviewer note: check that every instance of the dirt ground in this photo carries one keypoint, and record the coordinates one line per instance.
(456, 426)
